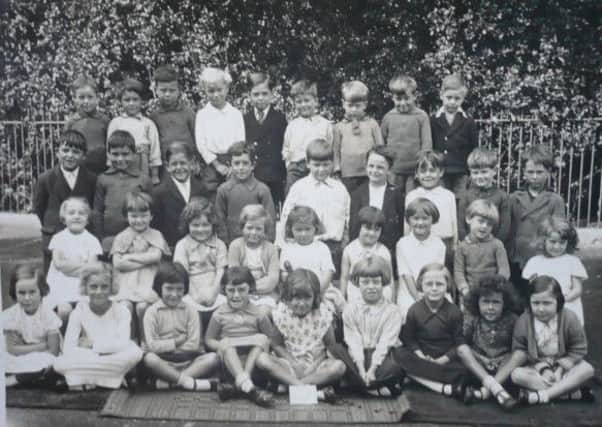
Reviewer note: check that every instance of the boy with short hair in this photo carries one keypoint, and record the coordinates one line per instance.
(173, 117)
(354, 136)
(90, 122)
(307, 127)
(379, 193)
(454, 133)
(69, 178)
(113, 185)
(327, 196)
(218, 125)
(406, 129)
(143, 130)
(265, 127)
(177, 187)
(482, 164)
(480, 253)
(529, 207)
(241, 189)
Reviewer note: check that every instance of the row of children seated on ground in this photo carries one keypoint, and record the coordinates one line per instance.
(281, 146)
(317, 214)
(488, 352)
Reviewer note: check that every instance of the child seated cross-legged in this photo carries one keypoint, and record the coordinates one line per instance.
(136, 253)
(550, 339)
(371, 329)
(480, 252)
(97, 350)
(203, 255)
(419, 248)
(259, 255)
(432, 336)
(239, 332)
(302, 337)
(31, 329)
(172, 330)
(72, 248)
(371, 221)
(488, 325)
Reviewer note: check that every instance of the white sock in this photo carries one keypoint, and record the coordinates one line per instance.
(320, 395)
(186, 382)
(202, 385)
(10, 380)
(446, 389)
(161, 385)
(247, 385)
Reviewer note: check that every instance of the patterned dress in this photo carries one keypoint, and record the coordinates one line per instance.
(491, 342)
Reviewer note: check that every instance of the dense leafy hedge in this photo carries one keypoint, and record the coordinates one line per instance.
(520, 57)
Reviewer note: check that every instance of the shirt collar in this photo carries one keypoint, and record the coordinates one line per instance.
(162, 306)
(211, 242)
(362, 119)
(138, 116)
(441, 111)
(471, 240)
(72, 173)
(550, 324)
(262, 113)
(224, 110)
(249, 184)
(328, 181)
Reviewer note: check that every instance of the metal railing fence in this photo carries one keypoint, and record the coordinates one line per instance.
(27, 148)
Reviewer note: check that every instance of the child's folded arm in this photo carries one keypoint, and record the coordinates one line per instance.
(65, 265)
(16, 346)
(152, 341)
(151, 256)
(503, 266)
(122, 263)
(353, 338)
(213, 332)
(53, 342)
(193, 332)
(119, 341)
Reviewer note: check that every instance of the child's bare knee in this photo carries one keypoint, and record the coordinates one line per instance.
(63, 311)
(140, 309)
(339, 368)
(129, 305)
(151, 359)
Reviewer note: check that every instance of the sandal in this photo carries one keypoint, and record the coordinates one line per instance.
(262, 398)
(523, 396)
(469, 395)
(226, 391)
(587, 395)
(330, 395)
(506, 401)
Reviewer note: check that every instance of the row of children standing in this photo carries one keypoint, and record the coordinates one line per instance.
(318, 208)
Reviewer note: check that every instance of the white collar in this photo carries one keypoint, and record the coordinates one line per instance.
(441, 111)
(72, 173)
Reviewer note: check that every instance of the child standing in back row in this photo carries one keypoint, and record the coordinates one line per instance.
(454, 133)
(218, 125)
(143, 129)
(307, 127)
(264, 128)
(354, 136)
(406, 129)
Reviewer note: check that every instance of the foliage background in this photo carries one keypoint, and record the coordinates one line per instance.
(535, 58)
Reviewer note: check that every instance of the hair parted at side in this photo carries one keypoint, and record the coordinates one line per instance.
(170, 272)
(484, 208)
(431, 268)
(121, 139)
(259, 78)
(74, 139)
(371, 216)
(302, 215)
(319, 150)
(355, 91)
(302, 283)
(197, 207)
(241, 148)
(403, 83)
(544, 283)
(254, 212)
(565, 229)
(304, 87)
(179, 147)
(482, 157)
(71, 200)
(238, 275)
(137, 201)
(383, 151)
(489, 284)
(27, 272)
(102, 270)
(422, 205)
(538, 154)
(454, 81)
(371, 266)
(212, 75)
(430, 158)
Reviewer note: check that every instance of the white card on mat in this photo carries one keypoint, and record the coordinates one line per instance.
(303, 394)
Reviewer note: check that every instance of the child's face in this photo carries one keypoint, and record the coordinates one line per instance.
(354, 109)
(131, 102)
(69, 157)
(254, 232)
(301, 305)
(491, 306)
(369, 234)
(242, 167)
(544, 306)
(76, 216)
(261, 96)
(120, 158)
(377, 169)
(216, 93)
(554, 245)
(320, 169)
(403, 101)
(200, 229)
(434, 286)
(482, 177)
(172, 293)
(98, 290)
(480, 227)
(371, 288)
(306, 105)
(536, 175)
(139, 221)
(452, 100)
(420, 223)
(85, 99)
(179, 167)
(237, 295)
(28, 294)
(303, 233)
(167, 93)
(429, 176)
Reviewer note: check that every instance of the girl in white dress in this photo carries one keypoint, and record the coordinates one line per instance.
(98, 350)
(72, 248)
(558, 239)
(31, 328)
